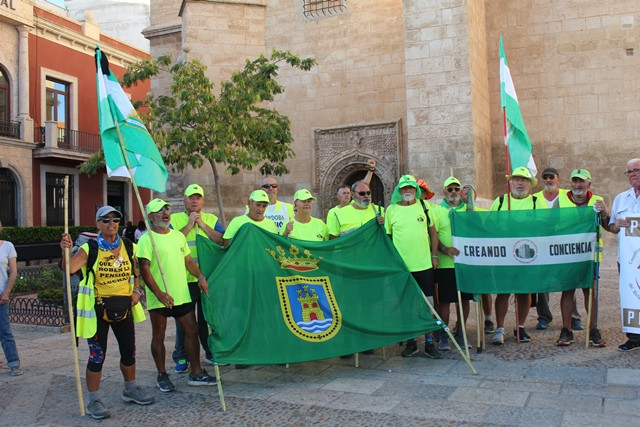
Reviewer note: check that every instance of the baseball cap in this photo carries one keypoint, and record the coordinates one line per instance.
(583, 174)
(550, 171)
(451, 180)
(155, 205)
(259, 196)
(303, 194)
(405, 181)
(193, 189)
(523, 172)
(104, 210)
(425, 188)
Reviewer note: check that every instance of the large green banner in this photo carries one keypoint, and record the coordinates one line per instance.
(273, 299)
(524, 251)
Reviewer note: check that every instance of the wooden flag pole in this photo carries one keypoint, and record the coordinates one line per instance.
(463, 329)
(216, 370)
(67, 256)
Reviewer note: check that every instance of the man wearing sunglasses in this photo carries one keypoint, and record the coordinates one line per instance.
(353, 216)
(166, 277)
(445, 274)
(277, 211)
(520, 181)
(626, 205)
(550, 194)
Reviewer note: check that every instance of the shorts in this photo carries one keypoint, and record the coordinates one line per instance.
(425, 281)
(447, 288)
(176, 311)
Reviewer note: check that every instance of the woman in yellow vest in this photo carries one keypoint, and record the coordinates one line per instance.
(108, 297)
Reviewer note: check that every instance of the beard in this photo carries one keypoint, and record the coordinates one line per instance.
(407, 197)
(550, 187)
(362, 203)
(519, 193)
(453, 198)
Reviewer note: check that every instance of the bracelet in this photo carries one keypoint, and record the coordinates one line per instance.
(434, 256)
(201, 277)
(137, 291)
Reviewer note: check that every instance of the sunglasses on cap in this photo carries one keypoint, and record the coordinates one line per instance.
(269, 186)
(363, 193)
(452, 189)
(108, 219)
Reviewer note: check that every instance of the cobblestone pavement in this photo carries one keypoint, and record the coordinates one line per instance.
(535, 384)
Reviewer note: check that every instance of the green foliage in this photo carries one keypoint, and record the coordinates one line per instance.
(236, 129)
(20, 235)
(49, 278)
(94, 164)
(55, 296)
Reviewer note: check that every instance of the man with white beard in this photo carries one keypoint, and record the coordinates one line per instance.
(520, 182)
(410, 224)
(355, 215)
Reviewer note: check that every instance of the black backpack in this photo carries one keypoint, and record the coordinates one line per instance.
(130, 232)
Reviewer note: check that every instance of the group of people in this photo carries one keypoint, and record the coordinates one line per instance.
(167, 261)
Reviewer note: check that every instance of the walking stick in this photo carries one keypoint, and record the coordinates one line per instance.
(596, 282)
(67, 255)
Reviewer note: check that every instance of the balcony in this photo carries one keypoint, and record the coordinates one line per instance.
(10, 129)
(65, 143)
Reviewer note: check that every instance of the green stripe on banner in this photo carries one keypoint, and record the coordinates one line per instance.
(525, 251)
(278, 300)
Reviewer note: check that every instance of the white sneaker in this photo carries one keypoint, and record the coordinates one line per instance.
(498, 337)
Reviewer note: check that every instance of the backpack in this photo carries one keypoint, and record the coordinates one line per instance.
(130, 232)
(92, 256)
(533, 198)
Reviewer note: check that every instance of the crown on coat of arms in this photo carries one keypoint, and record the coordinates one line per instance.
(294, 261)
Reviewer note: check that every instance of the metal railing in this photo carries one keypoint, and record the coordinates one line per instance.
(36, 311)
(78, 141)
(10, 129)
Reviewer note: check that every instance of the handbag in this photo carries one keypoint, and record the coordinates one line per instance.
(114, 309)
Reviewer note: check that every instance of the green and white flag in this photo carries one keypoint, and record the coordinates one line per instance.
(114, 108)
(524, 251)
(278, 300)
(517, 138)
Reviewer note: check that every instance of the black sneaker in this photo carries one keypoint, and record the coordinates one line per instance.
(431, 351)
(629, 346)
(566, 338)
(489, 328)
(201, 379)
(164, 383)
(524, 337)
(595, 339)
(410, 349)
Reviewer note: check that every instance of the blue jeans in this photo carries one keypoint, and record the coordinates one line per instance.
(6, 338)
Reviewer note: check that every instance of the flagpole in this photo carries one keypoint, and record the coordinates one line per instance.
(595, 285)
(67, 256)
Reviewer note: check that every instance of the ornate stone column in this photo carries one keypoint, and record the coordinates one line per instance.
(23, 84)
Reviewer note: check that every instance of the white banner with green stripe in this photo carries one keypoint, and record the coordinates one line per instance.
(526, 251)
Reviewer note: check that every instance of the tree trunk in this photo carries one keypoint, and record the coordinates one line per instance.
(216, 182)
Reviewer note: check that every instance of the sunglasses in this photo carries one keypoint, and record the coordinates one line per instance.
(108, 219)
(269, 185)
(452, 189)
(164, 209)
(548, 177)
(363, 193)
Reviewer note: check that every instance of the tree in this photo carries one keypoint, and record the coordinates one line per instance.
(237, 129)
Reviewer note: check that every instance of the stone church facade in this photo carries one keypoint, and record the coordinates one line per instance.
(414, 85)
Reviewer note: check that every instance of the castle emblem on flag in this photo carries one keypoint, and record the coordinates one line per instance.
(309, 308)
(525, 251)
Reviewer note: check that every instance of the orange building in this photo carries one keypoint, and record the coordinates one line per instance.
(49, 117)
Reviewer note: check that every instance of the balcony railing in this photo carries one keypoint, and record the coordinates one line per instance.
(10, 129)
(78, 141)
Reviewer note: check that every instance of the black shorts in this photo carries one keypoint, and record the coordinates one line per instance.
(447, 288)
(176, 311)
(425, 281)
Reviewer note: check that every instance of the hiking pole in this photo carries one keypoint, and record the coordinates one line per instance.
(67, 255)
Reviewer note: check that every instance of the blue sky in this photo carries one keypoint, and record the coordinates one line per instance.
(57, 2)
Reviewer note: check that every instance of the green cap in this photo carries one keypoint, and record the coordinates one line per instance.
(156, 205)
(303, 194)
(259, 196)
(583, 174)
(451, 180)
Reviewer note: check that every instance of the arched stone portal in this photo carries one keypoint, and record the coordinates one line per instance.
(342, 155)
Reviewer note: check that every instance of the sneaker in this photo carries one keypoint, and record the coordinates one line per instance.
(460, 339)
(97, 410)
(431, 351)
(524, 336)
(444, 342)
(566, 337)
(576, 325)
(201, 379)
(489, 328)
(182, 366)
(629, 345)
(498, 337)
(16, 371)
(410, 349)
(542, 325)
(595, 339)
(164, 383)
(136, 395)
